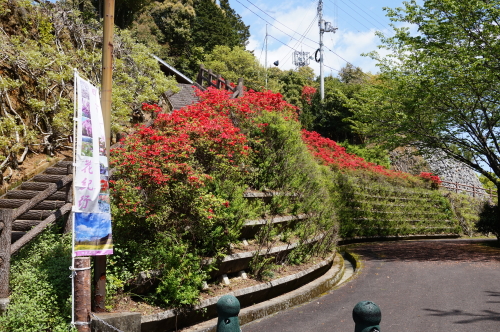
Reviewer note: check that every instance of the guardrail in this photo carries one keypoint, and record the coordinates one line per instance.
(476, 191)
(216, 81)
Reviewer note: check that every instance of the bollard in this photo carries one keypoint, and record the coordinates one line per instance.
(367, 317)
(228, 308)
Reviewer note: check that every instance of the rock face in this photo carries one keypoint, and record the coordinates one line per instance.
(404, 159)
(450, 170)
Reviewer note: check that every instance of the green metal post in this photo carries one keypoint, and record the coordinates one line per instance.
(367, 317)
(228, 308)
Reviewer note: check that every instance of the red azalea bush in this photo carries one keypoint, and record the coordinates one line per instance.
(165, 175)
(308, 93)
(434, 179)
(332, 154)
(162, 173)
(250, 105)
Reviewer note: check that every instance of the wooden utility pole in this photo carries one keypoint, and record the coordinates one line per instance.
(107, 68)
(82, 293)
(106, 88)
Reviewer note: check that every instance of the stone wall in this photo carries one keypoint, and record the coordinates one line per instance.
(453, 171)
(405, 160)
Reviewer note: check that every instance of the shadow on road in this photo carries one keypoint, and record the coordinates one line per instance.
(497, 294)
(469, 317)
(443, 250)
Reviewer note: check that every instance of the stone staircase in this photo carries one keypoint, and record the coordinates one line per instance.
(27, 191)
(28, 209)
(186, 96)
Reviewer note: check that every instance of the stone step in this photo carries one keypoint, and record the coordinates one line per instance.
(28, 194)
(24, 225)
(57, 171)
(35, 215)
(50, 178)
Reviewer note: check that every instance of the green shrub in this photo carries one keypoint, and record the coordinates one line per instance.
(40, 297)
(488, 220)
(373, 205)
(303, 186)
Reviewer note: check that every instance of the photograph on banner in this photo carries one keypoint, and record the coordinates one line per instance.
(93, 234)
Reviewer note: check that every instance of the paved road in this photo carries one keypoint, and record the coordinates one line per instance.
(443, 286)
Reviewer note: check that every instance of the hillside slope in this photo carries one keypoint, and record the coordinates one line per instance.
(41, 45)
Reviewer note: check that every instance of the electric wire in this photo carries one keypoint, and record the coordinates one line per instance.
(297, 51)
(292, 37)
(382, 24)
(338, 71)
(335, 9)
(285, 58)
(295, 32)
(358, 13)
(352, 17)
(274, 19)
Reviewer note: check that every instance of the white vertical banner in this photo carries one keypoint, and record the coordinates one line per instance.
(91, 203)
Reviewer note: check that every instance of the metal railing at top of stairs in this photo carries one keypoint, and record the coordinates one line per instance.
(216, 81)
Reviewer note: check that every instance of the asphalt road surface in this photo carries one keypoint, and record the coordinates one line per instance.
(451, 285)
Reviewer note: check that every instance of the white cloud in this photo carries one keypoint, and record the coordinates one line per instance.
(83, 229)
(348, 42)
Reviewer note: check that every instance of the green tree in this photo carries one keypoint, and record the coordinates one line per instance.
(292, 81)
(332, 117)
(188, 29)
(241, 31)
(350, 74)
(214, 25)
(440, 87)
(233, 63)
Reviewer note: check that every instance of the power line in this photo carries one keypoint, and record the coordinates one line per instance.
(331, 68)
(282, 42)
(274, 20)
(382, 24)
(357, 12)
(339, 56)
(297, 50)
(307, 30)
(303, 36)
(335, 9)
(353, 17)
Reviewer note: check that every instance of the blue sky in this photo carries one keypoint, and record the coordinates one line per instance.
(287, 21)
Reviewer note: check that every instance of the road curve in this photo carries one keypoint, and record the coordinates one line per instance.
(445, 285)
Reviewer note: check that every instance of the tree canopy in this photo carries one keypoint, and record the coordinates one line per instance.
(331, 117)
(186, 30)
(235, 62)
(440, 87)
